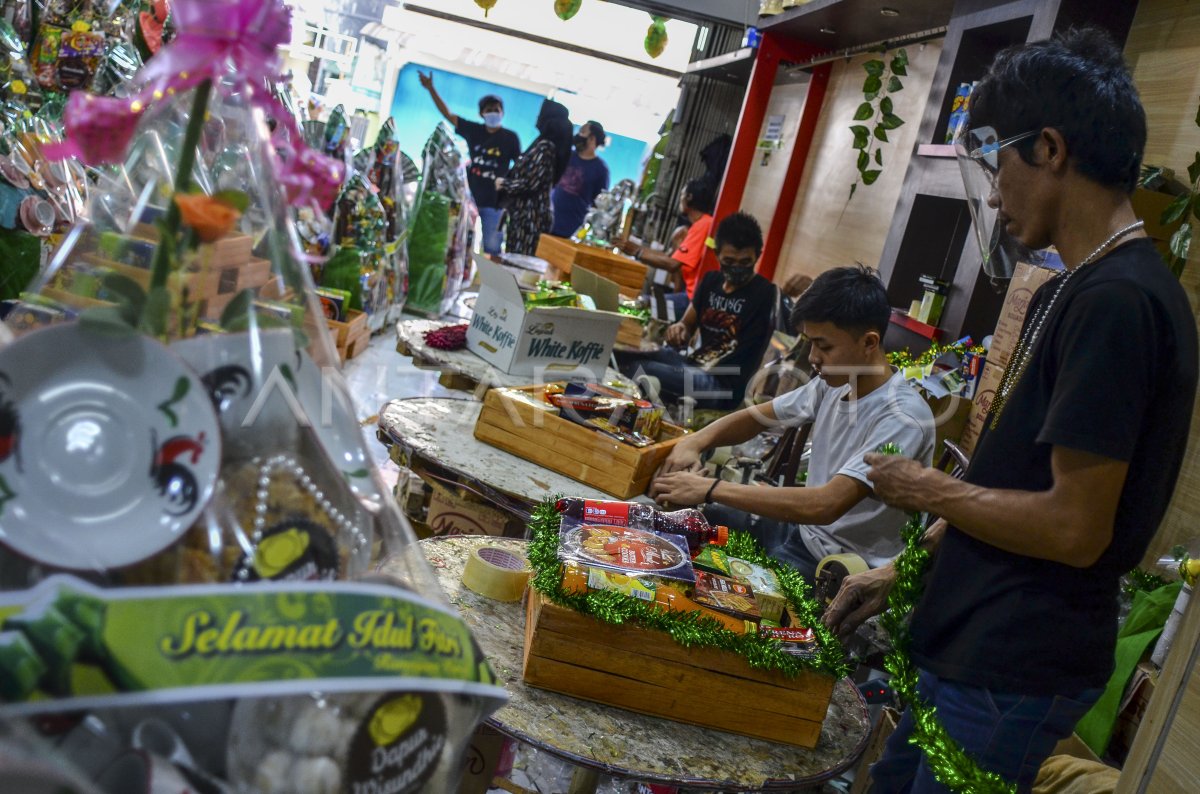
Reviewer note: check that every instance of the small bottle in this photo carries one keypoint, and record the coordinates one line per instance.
(688, 522)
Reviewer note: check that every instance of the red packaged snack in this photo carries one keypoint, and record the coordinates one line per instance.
(625, 550)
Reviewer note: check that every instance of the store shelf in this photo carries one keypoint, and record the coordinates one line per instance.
(843, 24)
(936, 150)
(908, 323)
(732, 67)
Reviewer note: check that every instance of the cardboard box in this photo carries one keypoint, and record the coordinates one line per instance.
(884, 727)
(1025, 282)
(451, 514)
(543, 339)
(566, 255)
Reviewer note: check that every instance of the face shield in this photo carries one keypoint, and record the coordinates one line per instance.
(978, 153)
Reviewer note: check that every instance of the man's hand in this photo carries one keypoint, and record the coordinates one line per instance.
(682, 458)
(630, 247)
(898, 481)
(681, 488)
(861, 596)
(677, 335)
(426, 79)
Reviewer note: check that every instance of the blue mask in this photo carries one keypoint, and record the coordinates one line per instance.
(492, 120)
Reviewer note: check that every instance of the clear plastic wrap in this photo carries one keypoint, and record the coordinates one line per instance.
(171, 413)
(439, 240)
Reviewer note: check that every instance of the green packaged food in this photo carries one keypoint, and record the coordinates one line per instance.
(712, 559)
(767, 592)
(55, 638)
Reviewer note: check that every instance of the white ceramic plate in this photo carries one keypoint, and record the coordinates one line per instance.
(109, 447)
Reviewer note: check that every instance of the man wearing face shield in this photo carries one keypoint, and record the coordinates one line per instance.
(493, 149)
(585, 178)
(1014, 636)
(731, 311)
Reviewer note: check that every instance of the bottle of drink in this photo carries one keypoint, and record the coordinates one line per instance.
(688, 522)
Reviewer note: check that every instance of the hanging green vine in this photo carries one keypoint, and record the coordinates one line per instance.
(883, 80)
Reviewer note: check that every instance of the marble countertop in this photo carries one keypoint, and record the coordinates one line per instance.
(626, 744)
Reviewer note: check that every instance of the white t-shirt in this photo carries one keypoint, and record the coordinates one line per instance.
(843, 432)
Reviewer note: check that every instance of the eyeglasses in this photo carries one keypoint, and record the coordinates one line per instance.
(986, 149)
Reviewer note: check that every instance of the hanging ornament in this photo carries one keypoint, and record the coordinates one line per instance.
(565, 9)
(656, 37)
(486, 5)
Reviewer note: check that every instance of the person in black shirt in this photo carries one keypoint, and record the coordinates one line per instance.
(732, 311)
(493, 149)
(1014, 636)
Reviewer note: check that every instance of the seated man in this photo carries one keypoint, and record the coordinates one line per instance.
(857, 404)
(732, 311)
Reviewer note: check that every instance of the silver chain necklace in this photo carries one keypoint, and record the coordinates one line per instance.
(1024, 352)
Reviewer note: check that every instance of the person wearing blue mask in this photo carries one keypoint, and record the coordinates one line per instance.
(493, 150)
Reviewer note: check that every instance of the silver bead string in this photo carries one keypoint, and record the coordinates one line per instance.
(268, 467)
(1024, 351)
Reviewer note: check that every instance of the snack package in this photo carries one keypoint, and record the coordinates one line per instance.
(726, 595)
(796, 640)
(764, 582)
(625, 550)
(334, 302)
(629, 419)
(713, 560)
(672, 597)
(582, 578)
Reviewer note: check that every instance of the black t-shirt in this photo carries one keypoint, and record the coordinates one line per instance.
(492, 154)
(734, 327)
(1113, 374)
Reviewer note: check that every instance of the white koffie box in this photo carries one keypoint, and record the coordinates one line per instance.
(543, 340)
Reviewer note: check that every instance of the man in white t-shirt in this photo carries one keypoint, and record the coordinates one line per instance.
(857, 403)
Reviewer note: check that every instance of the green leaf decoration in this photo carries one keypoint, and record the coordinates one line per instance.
(1176, 209)
(238, 309)
(357, 474)
(861, 134)
(872, 84)
(864, 112)
(853, 188)
(233, 198)
(898, 67)
(1196, 204)
(1198, 117)
(154, 316)
(879, 157)
(1150, 174)
(1194, 169)
(1181, 241)
(864, 160)
(880, 133)
(869, 177)
(182, 385)
(885, 106)
(106, 320)
(874, 67)
(130, 297)
(902, 56)
(890, 121)
(894, 84)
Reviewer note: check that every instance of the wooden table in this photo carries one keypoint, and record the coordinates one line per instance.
(435, 438)
(462, 369)
(629, 745)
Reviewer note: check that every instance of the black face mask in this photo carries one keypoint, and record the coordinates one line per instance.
(581, 142)
(737, 276)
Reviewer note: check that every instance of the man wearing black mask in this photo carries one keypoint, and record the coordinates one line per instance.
(585, 178)
(731, 309)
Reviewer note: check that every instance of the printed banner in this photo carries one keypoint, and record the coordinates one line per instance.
(66, 644)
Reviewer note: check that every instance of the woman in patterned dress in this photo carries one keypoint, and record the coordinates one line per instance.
(525, 192)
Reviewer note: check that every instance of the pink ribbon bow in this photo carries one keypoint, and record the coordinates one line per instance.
(214, 38)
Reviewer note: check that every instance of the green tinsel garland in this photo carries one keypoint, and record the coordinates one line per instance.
(947, 760)
(902, 359)
(689, 629)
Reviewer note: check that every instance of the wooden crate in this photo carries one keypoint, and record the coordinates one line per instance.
(354, 345)
(563, 255)
(648, 672)
(573, 450)
(354, 325)
(200, 286)
(629, 333)
(232, 249)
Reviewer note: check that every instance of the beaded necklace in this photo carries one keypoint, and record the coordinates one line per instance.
(1024, 352)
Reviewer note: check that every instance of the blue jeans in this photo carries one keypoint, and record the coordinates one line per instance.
(493, 238)
(677, 377)
(1006, 733)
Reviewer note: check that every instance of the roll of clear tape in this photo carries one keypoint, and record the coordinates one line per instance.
(832, 570)
(496, 573)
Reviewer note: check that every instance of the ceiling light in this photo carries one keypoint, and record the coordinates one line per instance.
(889, 12)
(830, 31)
